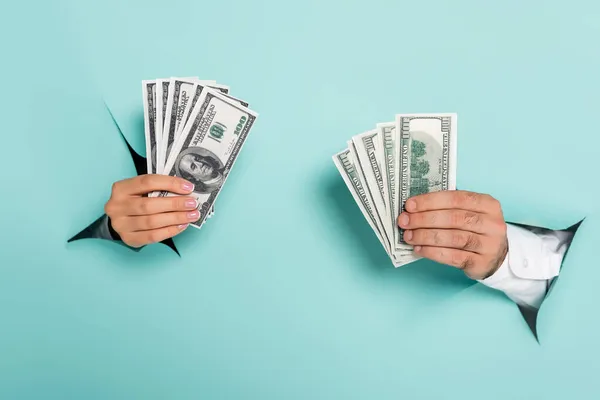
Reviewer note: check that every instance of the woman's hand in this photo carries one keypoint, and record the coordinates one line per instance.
(143, 220)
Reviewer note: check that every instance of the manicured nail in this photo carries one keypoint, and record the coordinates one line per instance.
(404, 219)
(182, 226)
(187, 186)
(410, 205)
(191, 203)
(194, 215)
(417, 249)
(408, 235)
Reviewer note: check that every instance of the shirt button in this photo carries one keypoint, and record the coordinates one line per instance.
(525, 263)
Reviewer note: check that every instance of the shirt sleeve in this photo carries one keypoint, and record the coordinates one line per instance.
(533, 260)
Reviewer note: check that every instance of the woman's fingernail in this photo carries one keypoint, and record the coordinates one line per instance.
(192, 216)
(191, 203)
(408, 235)
(410, 205)
(417, 248)
(187, 186)
(403, 219)
(182, 226)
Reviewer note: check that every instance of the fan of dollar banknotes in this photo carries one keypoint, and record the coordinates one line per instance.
(385, 166)
(194, 130)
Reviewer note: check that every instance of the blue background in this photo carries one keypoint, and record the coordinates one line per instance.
(287, 293)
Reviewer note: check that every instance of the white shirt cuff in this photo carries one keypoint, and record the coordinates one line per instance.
(534, 258)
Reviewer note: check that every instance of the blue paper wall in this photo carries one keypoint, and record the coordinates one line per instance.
(287, 293)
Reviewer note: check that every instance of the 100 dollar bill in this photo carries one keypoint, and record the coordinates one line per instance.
(351, 173)
(368, 151)
(426, 145)
(162, 91)
(149, 99)
(346, 165)
(192, 103)
(208, 146)
(388, 143)
(180, 93)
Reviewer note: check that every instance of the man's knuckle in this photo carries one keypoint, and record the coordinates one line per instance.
(115, 187)
(471, 219)
(472, 242)
(462, 262)
(434, 237)
(472, 197)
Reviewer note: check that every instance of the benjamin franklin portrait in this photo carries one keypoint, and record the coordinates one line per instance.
(201, 167)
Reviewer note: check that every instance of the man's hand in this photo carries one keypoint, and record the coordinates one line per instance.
(142, 220)
(462, 229)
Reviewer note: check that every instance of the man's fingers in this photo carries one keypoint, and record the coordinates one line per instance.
(143, 184)
(449, 238)
(139, 239)
(448, 219)
(158, 205)
(156, 221)
(456, 258)
(453, 199)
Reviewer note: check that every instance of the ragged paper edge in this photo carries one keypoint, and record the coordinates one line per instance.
(141, 169)
(530, 314)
